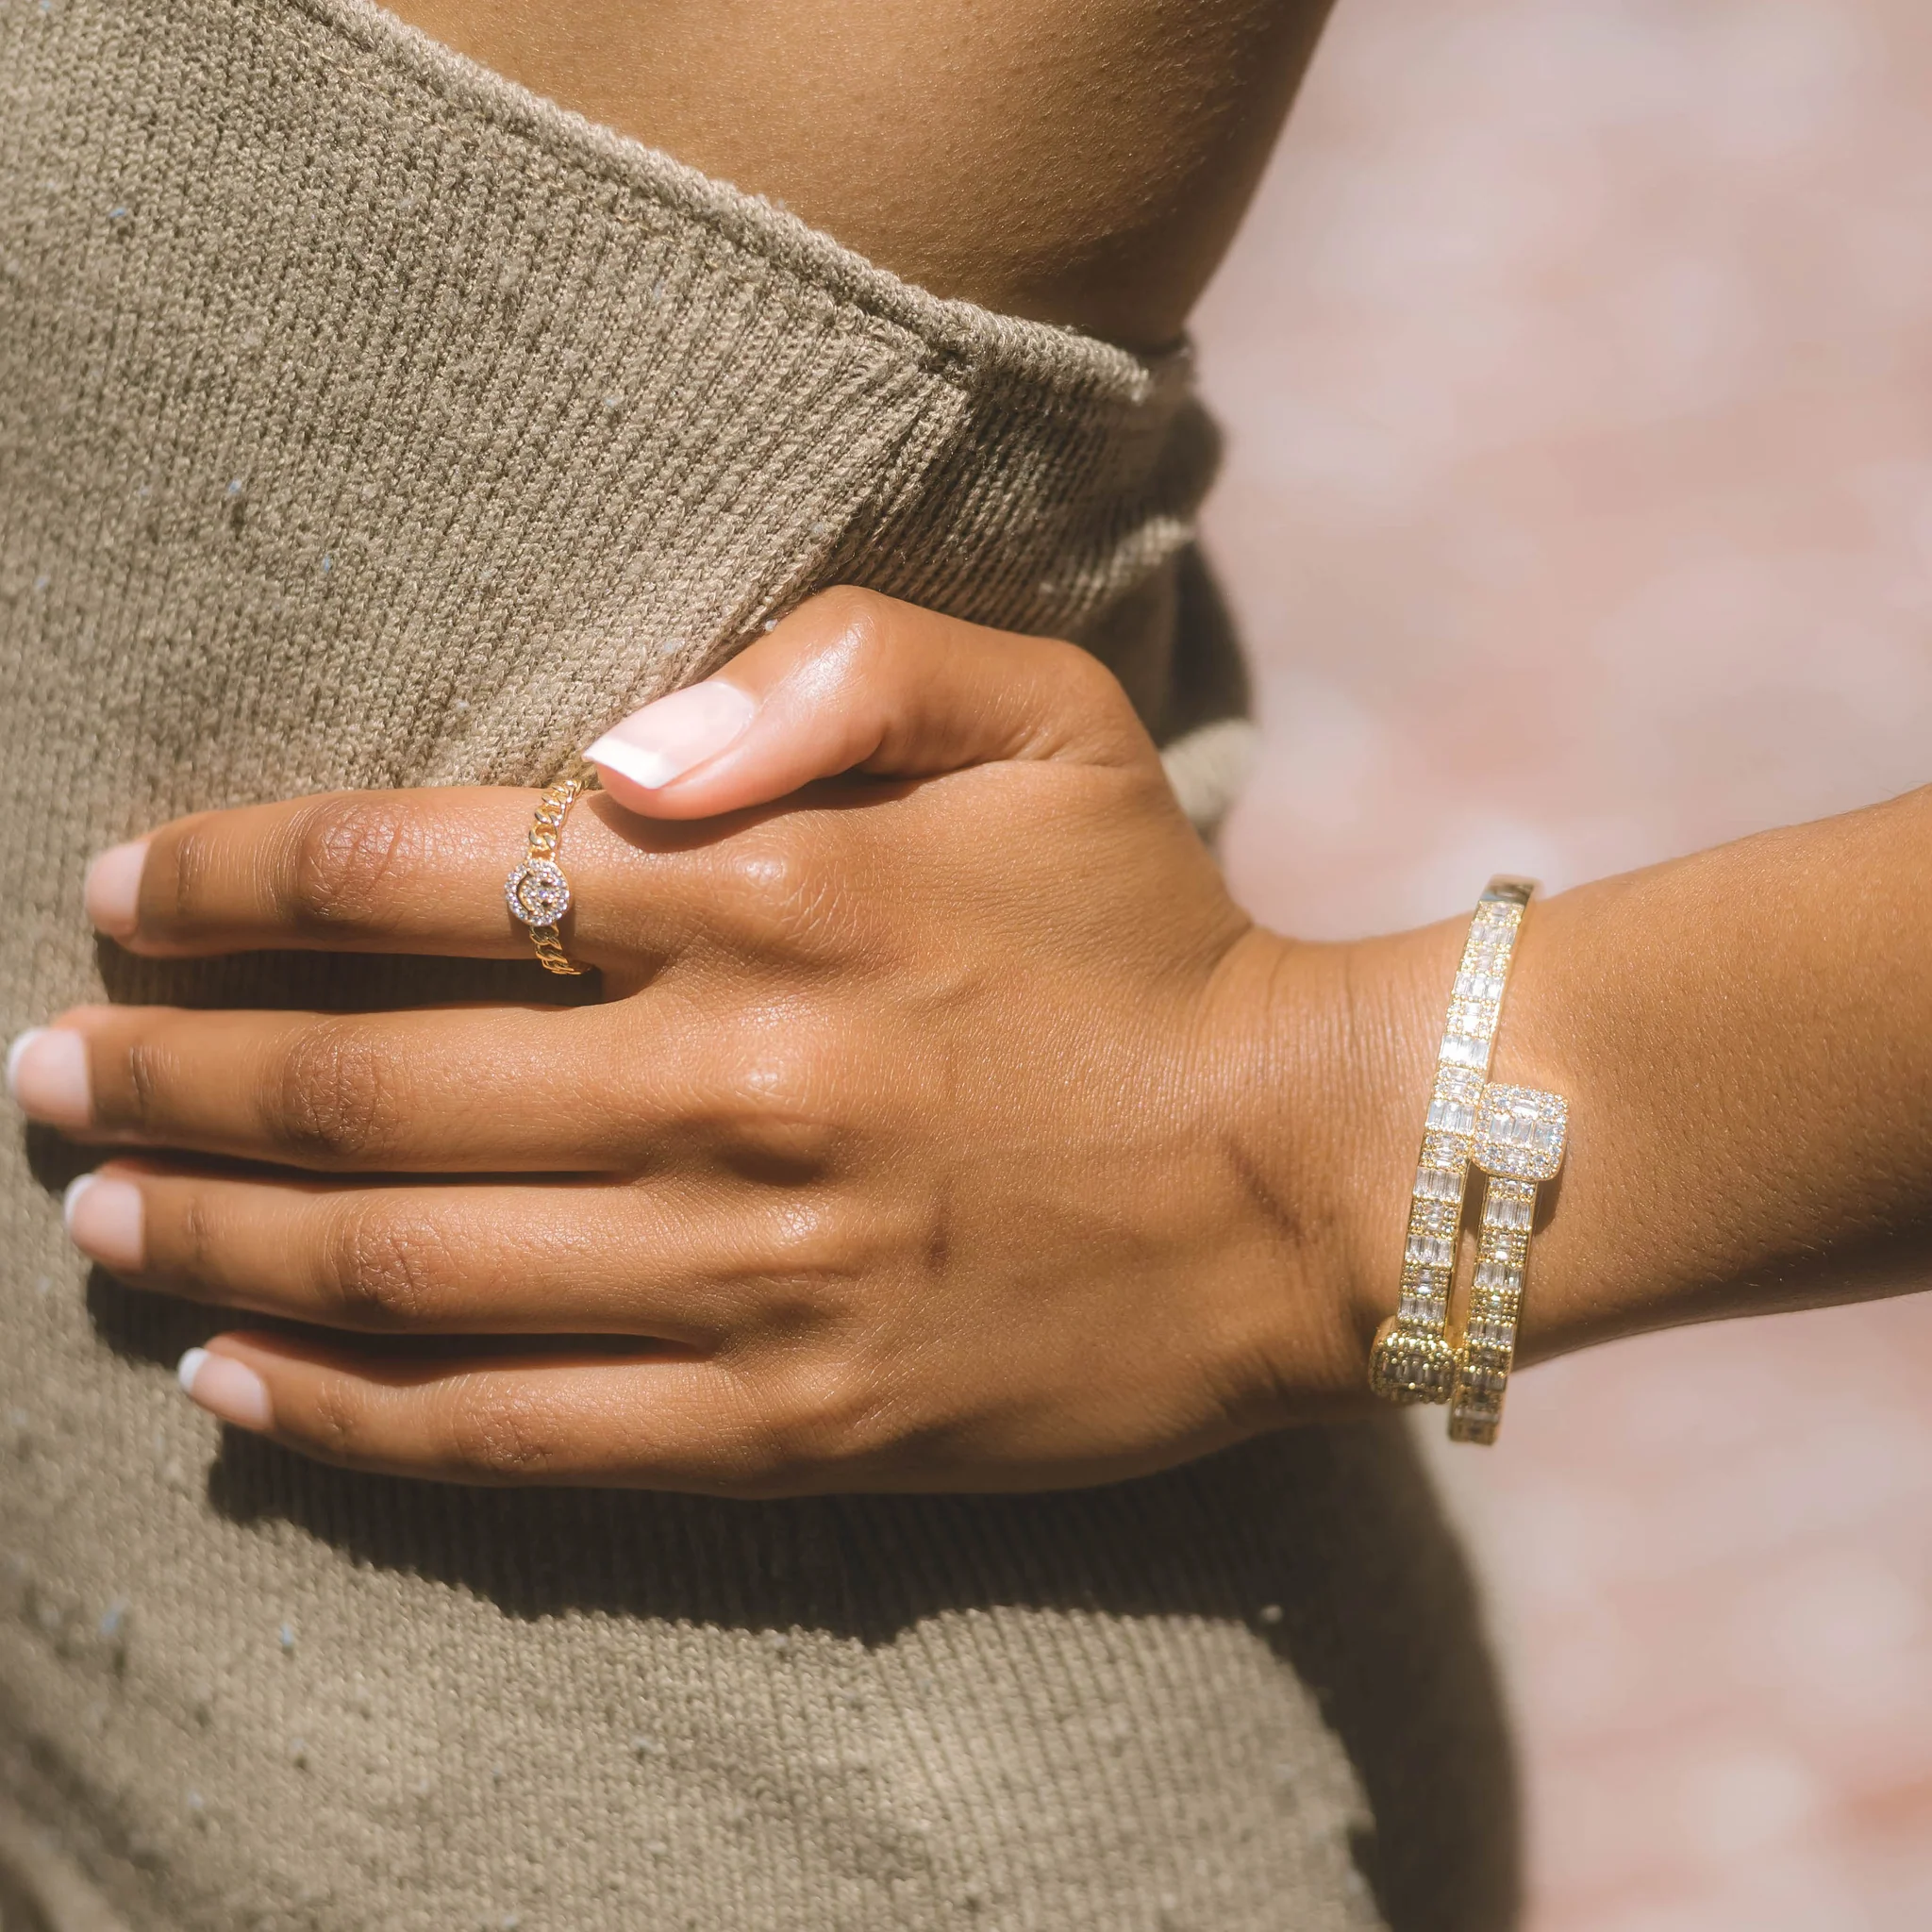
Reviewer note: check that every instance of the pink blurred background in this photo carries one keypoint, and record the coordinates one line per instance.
(1577, 363)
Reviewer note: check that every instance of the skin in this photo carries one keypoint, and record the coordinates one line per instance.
(944, 1124)
(886, 1162)
(1081, 161)
(889, 1162)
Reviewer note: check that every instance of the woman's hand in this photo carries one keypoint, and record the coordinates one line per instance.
(938, 1129)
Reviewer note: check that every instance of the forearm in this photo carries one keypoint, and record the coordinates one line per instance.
(1742, 1036)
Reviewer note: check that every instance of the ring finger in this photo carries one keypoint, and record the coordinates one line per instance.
(593, 1258)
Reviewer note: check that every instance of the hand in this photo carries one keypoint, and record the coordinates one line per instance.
(938, 1129)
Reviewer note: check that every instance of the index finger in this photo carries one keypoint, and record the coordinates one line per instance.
(419, 870)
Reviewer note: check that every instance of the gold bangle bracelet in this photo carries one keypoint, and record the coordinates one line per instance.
(1519, 1139)
(1412, 1360)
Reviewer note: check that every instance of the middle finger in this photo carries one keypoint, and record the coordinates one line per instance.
(432, 1090)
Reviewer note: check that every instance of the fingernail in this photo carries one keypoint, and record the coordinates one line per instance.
(112, 892)
(46, 1074)
(666, 740)
(103, 1220)
(226, 1388)
(21, 1043)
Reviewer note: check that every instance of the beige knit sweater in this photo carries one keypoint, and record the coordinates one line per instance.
(365, 421)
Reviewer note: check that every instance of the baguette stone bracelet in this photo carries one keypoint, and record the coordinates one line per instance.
(1516, 1135)
(1519, 1139)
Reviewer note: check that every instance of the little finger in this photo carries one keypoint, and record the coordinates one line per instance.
(649, 1422)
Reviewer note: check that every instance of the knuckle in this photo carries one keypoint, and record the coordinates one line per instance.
(758, 1472)
(852, 636)
(819, 1239)
(825, 1416)
(200, 1241)
(756, 1461)
(338, 860)
(778, 1127)
(138, 1102)
(338, 1420)
(497, 1435)
(384, 1271)
(762, 869)
(773, 1064)
(781, 893)
(181, 893)
(1091, 686)
(858, 616)
(329, 1098)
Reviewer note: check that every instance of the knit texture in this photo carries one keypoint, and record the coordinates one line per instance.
(365, 421)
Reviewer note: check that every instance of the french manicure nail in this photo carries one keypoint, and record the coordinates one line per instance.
(21, 1043)
(667, 738)
(226, 1388)
(112, 892)
(46, 1074)
(105, 1218)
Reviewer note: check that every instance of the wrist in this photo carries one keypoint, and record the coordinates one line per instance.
(1327, 1079)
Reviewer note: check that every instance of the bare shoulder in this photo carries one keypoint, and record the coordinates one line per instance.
(1079, 161)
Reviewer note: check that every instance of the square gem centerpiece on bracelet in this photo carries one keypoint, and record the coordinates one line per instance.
(1520, 1133)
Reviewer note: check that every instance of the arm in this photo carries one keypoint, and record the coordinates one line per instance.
(1085, 162)
(1746, 1033)
(892, 1159)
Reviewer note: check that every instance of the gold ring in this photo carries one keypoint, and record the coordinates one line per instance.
(537, 893)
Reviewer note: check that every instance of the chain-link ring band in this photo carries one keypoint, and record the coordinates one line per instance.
(537, 893)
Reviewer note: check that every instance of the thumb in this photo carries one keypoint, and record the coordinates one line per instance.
(853, 681)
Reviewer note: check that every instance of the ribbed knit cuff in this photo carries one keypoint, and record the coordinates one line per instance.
(432, 427)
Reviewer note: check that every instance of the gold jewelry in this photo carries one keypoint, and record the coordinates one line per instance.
(1412, 1360)
(1519, 1139)
(537, 891)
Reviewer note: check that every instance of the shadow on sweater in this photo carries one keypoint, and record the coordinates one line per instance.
(1338, 1557)
(1338, 1553)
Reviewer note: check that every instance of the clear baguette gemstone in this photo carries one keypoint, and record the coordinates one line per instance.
(1520, 1133)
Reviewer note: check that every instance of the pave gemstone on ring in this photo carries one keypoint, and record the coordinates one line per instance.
(537, 893)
